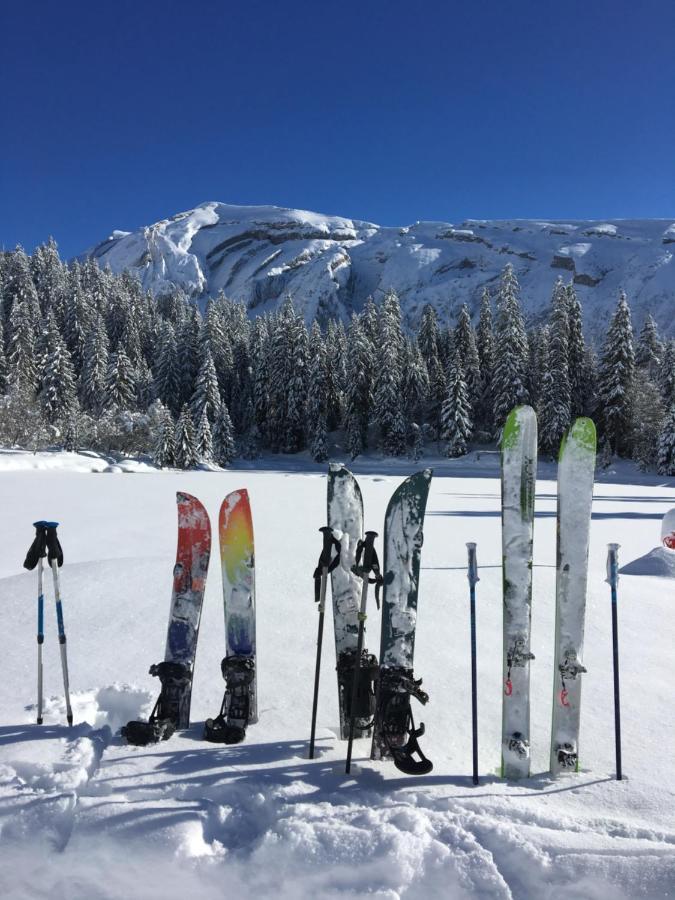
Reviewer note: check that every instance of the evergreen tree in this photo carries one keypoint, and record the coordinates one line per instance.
(21, 364)
(3, 360)
(336, 360)
(120, 387)
(204, 441)
(511, 357)
(185, 452)
(615, 379)
(206, 396)
(57, 393)
(647, 413)
(486, 360)
(465, 346)
(388, 378)
(427, 336)
(666, 374)
(318, 448)
(577, 358)
(167, 374)
(165, 444)
(223, 438)
(549, 420)
(649, 349)
(415, 383)
(666, 450)
(94, 369)
(456, 423)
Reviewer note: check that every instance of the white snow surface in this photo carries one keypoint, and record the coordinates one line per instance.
(82, 815)
(331, 264)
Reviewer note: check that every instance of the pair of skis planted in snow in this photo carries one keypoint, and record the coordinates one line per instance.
(575, 492)
(239, 708)
(374, 699)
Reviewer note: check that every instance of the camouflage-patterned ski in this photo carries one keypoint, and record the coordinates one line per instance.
(394, 733)
(519, 470)
(345, 518)
(576, 468)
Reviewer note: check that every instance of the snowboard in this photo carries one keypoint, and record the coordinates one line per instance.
(172, 709)
(394, 732)
(668, 530)
(519, 470)
(345, 518)
(240, 703)
(576, 468)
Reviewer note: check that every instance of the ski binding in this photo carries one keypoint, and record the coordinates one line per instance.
(229, 727)
(164, 718)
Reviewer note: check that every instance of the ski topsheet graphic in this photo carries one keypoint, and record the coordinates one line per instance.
(576, 468)
(519, 468)
(237, 556)
(345, 518)
(394, 732)
(172, 709)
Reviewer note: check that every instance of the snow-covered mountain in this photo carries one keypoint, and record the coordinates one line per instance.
(330, 265)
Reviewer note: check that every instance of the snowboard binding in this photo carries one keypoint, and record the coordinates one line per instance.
(567, 756)
(229, 726)
(365, 698)
(166, 714)
(397, 735)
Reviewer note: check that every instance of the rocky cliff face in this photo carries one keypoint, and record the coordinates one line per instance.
(330, 265)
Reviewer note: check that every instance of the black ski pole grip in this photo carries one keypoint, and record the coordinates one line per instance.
(38, 548)
(328, 539)
(368, 552)
(54, 551)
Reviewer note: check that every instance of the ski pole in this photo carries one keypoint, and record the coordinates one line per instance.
(34, 557)
(55, 559)
(325, 566)
(472, 573)
(368, 562)
(613, 579)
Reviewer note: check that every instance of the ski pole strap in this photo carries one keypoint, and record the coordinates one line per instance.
(326, 564)
(366, 562)
(38, 548)
(54, 551)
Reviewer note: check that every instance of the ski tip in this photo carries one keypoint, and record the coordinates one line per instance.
(517, 419)
(182, 497)
(335, 467)
(583, 434)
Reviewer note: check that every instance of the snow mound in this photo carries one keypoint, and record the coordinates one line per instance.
(659, 563)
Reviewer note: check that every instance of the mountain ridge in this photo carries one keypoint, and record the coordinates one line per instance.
(331, 264)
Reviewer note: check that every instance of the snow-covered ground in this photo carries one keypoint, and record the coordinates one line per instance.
(82, 815)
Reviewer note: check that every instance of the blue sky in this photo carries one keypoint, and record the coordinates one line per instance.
(116, 115)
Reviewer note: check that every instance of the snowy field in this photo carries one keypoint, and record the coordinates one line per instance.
(84, 816)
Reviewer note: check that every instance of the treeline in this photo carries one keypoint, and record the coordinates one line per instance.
(87, 359)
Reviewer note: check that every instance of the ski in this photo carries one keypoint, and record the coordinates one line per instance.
(394, 732)
(240, 702)
(576, 468)
(345, 518)
(172, 709)
(519, 471)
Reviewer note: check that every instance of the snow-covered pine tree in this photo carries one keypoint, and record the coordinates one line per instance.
(416, 442)
(649, 348)
(318, 447)
(3, 360)
(427, 335)
(260, 343)
(615, 378)
(21, 363)
(666, 450)
(94, 369)
(185, 452)
(359, 386)
(576, 357)
(214, 334)
(206, 395)
(317, 390)
(167, 374)
(465, 345)
(415, 383)
(223, 438)
(120, 386)
(485, 345)
(456, 423)
(666, 374)
(387, 399)
(57, 392)
(164, 453)
(511, 353)
(336, 358)
(647, 414)
(558, 352)
(204, 440)
(548, 410)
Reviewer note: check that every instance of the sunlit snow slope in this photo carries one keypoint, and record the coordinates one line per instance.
(330, 265)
